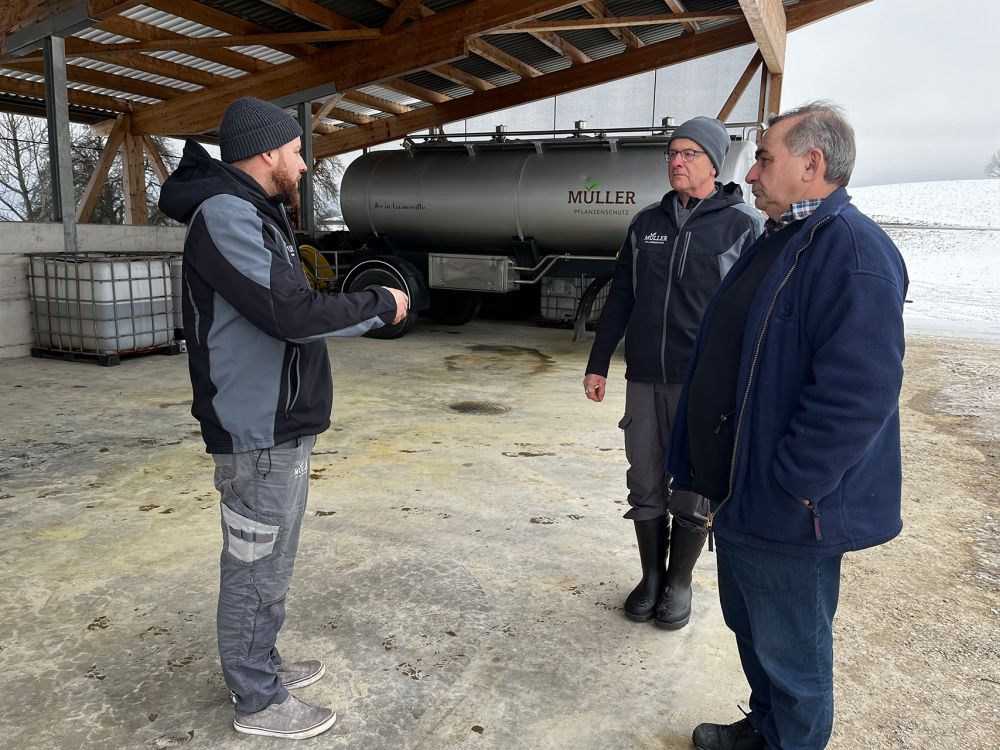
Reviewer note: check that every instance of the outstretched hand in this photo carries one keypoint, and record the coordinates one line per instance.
(402, 304)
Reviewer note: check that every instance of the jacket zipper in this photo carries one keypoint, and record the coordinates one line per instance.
(684, 256)
(670, 276)
(746, 392)
(291, 397)
(815, 513)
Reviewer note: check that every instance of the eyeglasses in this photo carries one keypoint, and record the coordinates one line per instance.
(687, 154)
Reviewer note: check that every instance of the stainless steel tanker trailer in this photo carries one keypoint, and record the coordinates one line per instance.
(451, 221)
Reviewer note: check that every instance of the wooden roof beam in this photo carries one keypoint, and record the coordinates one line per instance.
(616, 22)
(597, 9)
(413, 90)
(498, 57)
(628, 63)
(79, 98)
(767, 21)
(143, 31)
(123, 84)
(314, 13)
(376, 102)
(690, 27)
(216, 19)
(459, 76)
(421, 44)
(182, 43)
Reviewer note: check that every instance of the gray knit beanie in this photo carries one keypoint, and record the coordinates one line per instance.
(252, 126)
(708, 133)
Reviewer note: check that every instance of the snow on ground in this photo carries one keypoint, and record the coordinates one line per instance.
(967, 203)
(954, 273)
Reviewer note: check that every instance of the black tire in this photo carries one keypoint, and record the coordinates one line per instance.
(454, 308)
(383, 277)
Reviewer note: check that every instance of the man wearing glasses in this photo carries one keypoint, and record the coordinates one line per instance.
(675, 254)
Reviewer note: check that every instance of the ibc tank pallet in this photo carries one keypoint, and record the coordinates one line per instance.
(109, 359)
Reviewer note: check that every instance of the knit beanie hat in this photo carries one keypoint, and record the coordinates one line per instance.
(708, 133)
(252, 126)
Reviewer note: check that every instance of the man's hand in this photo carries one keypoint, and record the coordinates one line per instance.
(402, 304)
(593, 387)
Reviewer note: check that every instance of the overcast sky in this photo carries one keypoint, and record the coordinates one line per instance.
(920, 80)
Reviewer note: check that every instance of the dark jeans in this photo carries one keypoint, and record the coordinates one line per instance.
(781, 609)
(264, 496)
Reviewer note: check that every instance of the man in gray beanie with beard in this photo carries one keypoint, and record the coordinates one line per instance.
(260, 374)
(675, 254)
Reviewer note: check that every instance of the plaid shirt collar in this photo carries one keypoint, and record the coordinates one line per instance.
(795, 212)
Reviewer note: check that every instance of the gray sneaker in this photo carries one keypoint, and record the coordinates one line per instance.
(300, 673)
(294, 720)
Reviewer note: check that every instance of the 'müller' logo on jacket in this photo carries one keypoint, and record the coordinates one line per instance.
(656, 239)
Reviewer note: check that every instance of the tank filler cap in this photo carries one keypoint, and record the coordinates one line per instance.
(499, 133)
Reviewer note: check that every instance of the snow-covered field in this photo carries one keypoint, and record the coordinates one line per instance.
(954, 273)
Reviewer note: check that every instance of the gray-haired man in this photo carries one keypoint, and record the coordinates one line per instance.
(675, 254)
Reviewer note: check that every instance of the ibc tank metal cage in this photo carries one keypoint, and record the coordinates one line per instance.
(101, 305)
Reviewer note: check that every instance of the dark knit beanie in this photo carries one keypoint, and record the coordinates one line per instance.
(252, 126)
(708, 133)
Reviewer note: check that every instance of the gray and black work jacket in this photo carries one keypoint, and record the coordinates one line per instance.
(259, 368)
(667, 271)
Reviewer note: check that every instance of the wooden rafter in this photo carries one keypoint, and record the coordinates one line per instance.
(314, 13)
(498, 57)
(144, 31)
(405, 11)
(691, 26)
(216, 19)
(459, 76)
(185, 43)
(559, 82)
(616, 22)
(628, 63)
(417, 92)
(76, 97)
(376, 102)
(321, 109)
(597, 9)
(124, 84)
(155, 160)
(767, 21)
(741, 86)
(423, 43)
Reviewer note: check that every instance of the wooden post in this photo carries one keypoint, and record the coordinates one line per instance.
(133, 178)
(100, 174)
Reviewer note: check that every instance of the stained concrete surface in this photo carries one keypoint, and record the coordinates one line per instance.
(461, 574)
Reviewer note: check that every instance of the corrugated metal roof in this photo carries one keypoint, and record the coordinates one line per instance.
(597, 43)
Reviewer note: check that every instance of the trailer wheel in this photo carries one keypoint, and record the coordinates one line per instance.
(371, 277)
(454, 308)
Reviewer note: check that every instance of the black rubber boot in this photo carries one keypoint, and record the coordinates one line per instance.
(674, 609)
(653, 537)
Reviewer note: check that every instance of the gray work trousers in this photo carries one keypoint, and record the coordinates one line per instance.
(264, 496)
(649, 415)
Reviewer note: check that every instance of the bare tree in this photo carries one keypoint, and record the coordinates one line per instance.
(327, 174)
(993, 166)
(23, 152)
(26, 182)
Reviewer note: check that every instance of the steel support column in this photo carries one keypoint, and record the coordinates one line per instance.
(307, 212)
(60, 158)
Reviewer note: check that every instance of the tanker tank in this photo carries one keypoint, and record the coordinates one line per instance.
(571, 195)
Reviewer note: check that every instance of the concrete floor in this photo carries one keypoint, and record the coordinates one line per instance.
(461, 574)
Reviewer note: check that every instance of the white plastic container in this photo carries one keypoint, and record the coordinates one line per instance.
(101, 303)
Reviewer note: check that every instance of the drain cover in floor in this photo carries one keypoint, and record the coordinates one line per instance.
(479, 407)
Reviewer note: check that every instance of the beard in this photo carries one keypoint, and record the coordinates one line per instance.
(289, 188)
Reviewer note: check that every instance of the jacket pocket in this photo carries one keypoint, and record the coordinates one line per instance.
(684, 255)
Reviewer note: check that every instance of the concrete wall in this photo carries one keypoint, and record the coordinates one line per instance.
(18, 238)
